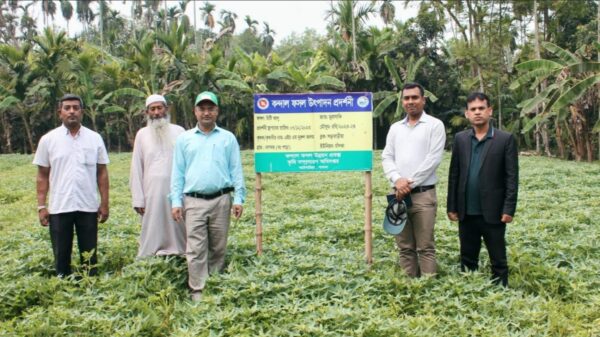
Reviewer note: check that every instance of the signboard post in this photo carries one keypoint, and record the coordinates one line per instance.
(317, 132)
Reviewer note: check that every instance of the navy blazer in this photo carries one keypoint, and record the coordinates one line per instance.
(498, 175)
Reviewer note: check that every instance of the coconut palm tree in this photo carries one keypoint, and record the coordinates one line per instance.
(66, 9)
(267, 37)
(244, 75)
(84, 79)
(49, 9)
(176, 43)
(228, 18)
(387, 11)
(151, 11)
(51, 62)
(349, 20)
(28, 24)
(137, 10)
(182, 17)
(251, 24)
(85, 15)
(8, 26)
(207, 16)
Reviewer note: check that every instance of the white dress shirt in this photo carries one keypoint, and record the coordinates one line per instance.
(72, 161)
(414, 152)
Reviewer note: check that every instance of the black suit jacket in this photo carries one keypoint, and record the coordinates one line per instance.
(498, 175)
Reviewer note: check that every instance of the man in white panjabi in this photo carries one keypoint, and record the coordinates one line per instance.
(149, 181)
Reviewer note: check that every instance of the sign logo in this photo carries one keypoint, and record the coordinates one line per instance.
(262, 103)
(362, 101)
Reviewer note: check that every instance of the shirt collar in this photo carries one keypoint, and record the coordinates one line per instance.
(488, 135)
(68, 133)
(197, 130)
(423, 119)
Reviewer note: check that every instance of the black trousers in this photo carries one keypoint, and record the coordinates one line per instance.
(61, 235)
(470, 232)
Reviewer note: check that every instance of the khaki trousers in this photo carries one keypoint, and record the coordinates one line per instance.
(416, 242)
(206, 224)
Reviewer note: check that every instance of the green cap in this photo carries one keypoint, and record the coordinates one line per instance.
(207, 95)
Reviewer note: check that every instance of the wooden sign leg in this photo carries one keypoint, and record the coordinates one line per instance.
(368, 223)
(258, 213)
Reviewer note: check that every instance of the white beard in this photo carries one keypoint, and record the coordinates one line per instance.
(161, 131)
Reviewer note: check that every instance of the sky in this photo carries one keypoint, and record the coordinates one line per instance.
(284, 17)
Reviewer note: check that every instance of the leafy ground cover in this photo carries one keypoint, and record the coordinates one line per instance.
(312, 279)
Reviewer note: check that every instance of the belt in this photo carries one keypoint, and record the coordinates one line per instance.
(420, 189)
(210, 196)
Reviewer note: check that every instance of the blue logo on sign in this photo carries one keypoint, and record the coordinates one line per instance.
(362, 101)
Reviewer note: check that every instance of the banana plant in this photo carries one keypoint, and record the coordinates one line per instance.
(573, 86)
(388, 97)
(307, 77)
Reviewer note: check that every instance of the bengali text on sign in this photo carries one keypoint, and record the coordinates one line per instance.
(313, 132)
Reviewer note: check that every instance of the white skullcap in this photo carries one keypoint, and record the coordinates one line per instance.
(155, 98)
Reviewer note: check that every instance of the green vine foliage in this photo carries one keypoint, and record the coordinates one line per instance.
(312, 279)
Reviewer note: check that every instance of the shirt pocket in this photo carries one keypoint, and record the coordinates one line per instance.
(88, 156)
(218, 155)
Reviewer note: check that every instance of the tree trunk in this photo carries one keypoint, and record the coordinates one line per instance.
(130, 132)
(471, 19)
(579, 128)
(536, 135)
(107, 136)
(546, 139)
(474, 40)
(480, 77)
(353, 36)
(559, 141)
(571, 137)
(119, 133)
(536, 29)
(499, 98)
(589, 147)
(7, 132)
(455, 19)
(28, 132)
(195, 29)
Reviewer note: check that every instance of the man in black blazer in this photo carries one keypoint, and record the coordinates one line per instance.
(482, 187)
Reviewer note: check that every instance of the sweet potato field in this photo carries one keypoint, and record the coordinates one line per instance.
(312, 279)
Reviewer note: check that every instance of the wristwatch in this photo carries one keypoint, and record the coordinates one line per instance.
(41, 208)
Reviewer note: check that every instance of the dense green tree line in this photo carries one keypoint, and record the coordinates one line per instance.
(538, 59)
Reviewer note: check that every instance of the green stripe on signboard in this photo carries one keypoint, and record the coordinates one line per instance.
(313, 161)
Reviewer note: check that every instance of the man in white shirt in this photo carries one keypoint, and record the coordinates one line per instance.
(71, 162)
(150, 179)
(413, 151)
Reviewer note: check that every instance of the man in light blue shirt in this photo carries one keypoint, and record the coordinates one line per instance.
(207, 166)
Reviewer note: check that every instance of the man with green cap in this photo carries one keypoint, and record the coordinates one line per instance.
(207, 166)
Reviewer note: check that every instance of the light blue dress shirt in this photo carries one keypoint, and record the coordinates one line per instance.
(206, 163)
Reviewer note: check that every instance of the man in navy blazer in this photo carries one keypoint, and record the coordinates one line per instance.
(482, 187)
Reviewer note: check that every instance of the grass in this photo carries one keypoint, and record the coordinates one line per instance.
(312, 279)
